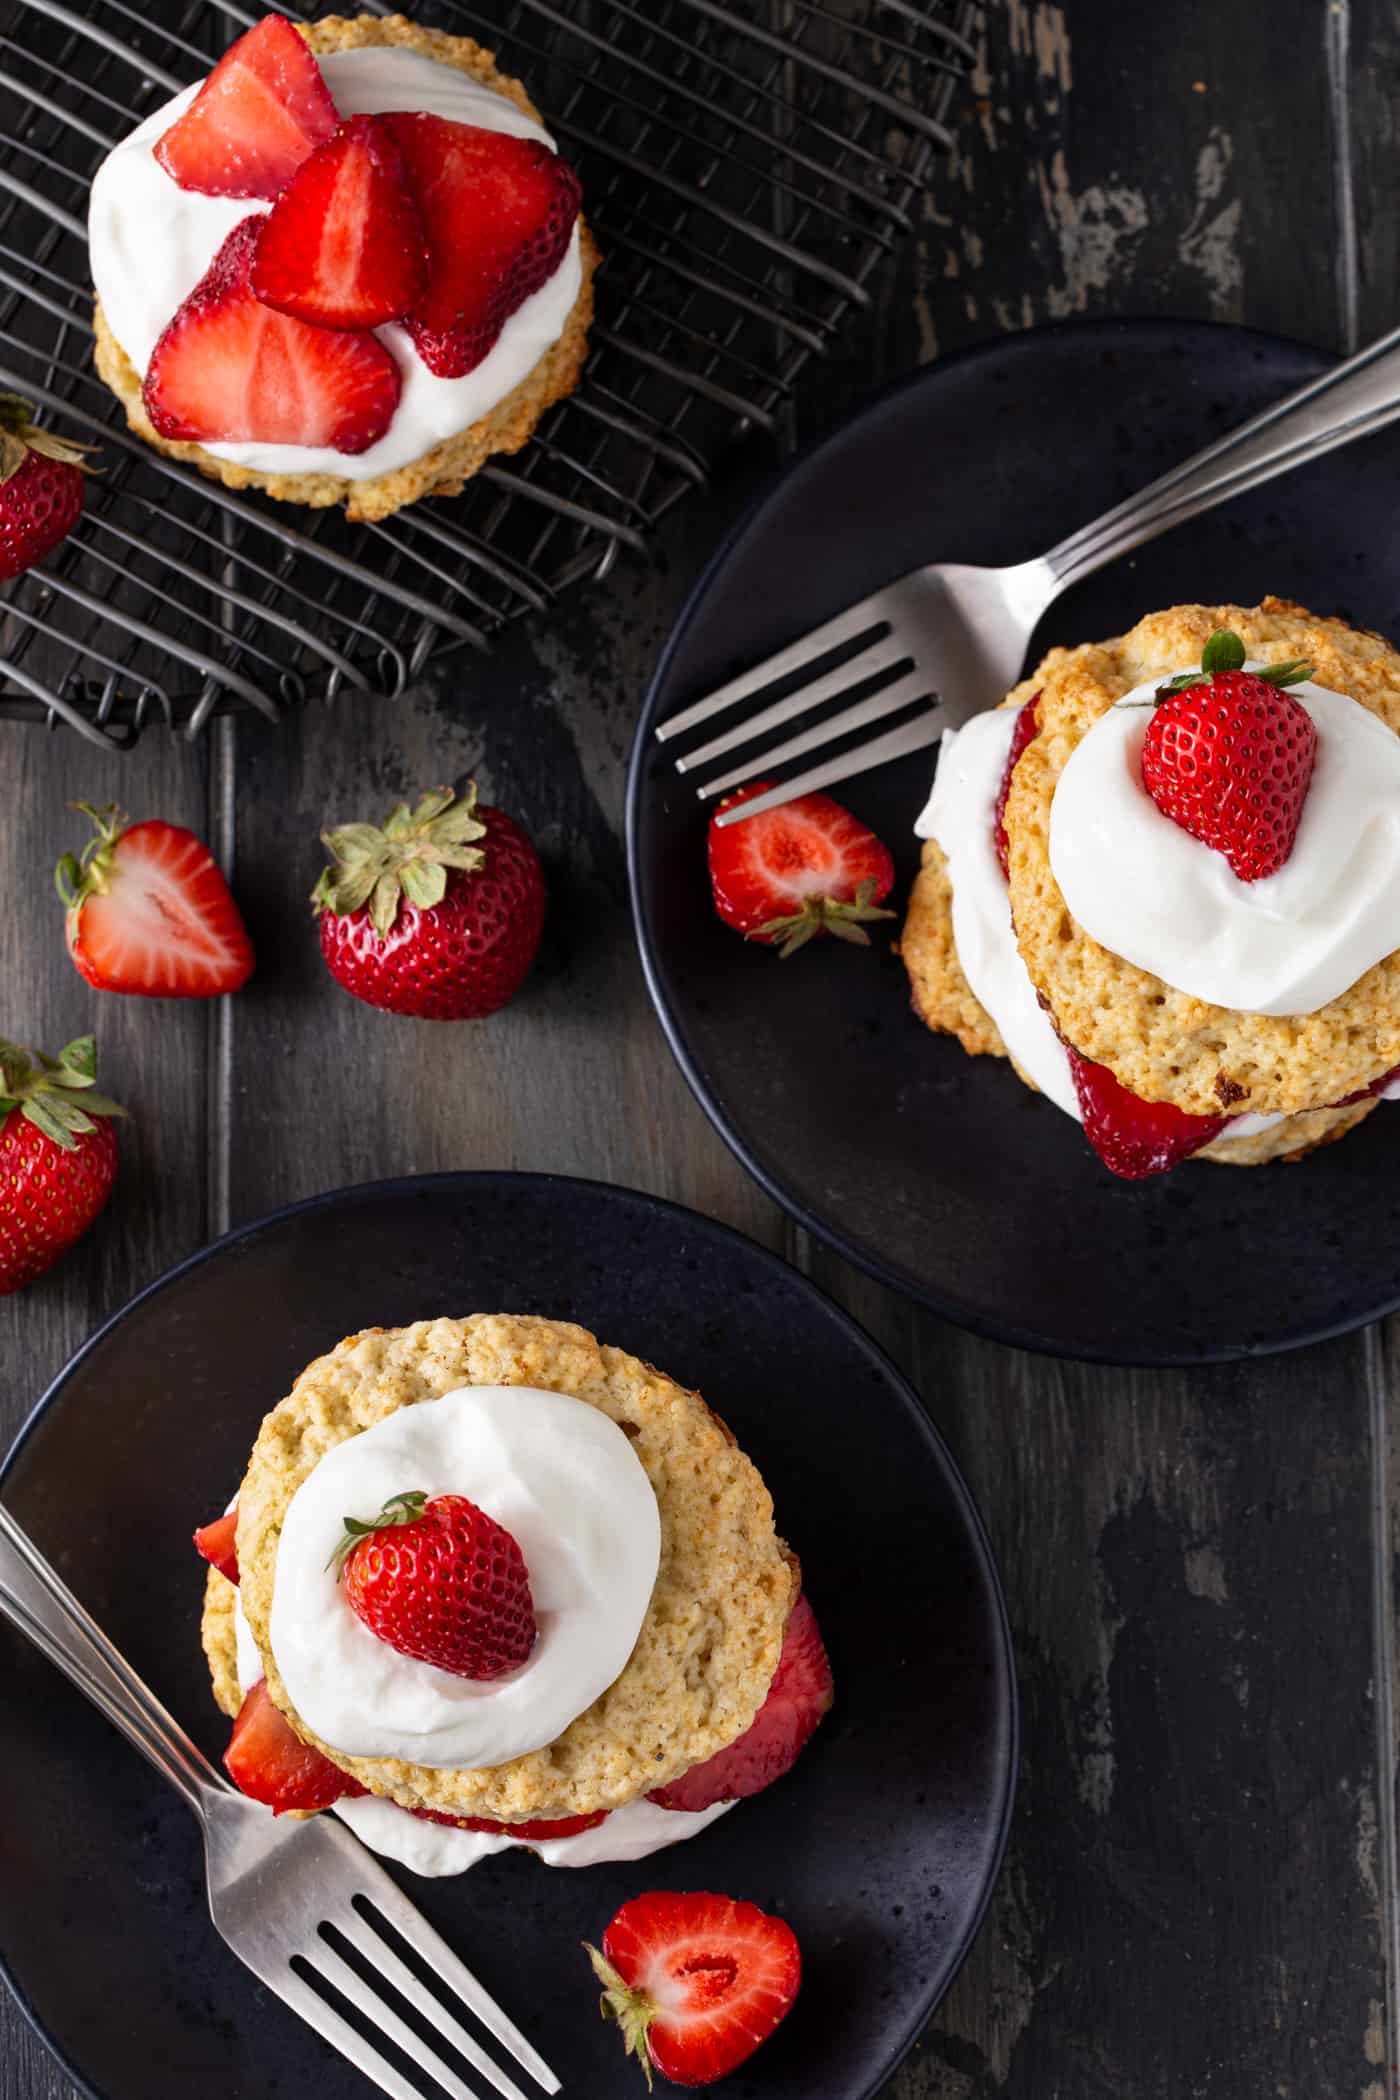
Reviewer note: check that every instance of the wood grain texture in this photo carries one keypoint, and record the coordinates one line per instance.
(1200, 1895)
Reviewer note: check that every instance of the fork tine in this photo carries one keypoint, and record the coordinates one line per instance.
(913, 686)
(382, 1956)
(925, 729)
(412, 1926)
(366, 2000)
(844, 628)
(328, 2023)
(854, 672)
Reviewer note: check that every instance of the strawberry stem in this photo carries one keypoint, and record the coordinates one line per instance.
(405, 1508)
(409, 854)
(19, 437)
(56, 1094)
(839, 916)
(1225, 652)
(632, 2010)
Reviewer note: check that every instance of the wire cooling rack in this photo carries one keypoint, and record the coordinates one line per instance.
(746, 167)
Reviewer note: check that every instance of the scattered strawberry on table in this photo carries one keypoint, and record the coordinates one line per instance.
(696, 1982)
(58, 1156)
(1229, 755)
(442, 1582)
(149, 911)
(41, 488)
(798, 1698)
(437, 913)
(805, 868)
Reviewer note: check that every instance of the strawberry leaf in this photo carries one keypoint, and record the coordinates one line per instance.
(399, 1509)
(1223, 652)
(1292, 673)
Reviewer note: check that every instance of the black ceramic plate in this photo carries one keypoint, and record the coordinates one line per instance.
(881, 1847)
(941, 1173)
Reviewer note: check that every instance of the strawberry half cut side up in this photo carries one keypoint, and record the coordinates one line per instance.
(1025, 732)
(499, 213)
(268, 1761)
(800, 1695)
(537, 1832)
(262, 110)
(149, 912)
(790, 873)
(217, 1542)
(1229, 756)
(1135, 1138)
(343, 247)
(229, 370)
(695, 1982)
(442, 1582)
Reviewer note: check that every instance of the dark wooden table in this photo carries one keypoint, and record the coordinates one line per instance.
(1200, 1895)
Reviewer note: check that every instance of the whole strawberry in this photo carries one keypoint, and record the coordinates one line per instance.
(437, 914)
(41, 488)
(1228, 756)
(442, 1582)
(58, 1156)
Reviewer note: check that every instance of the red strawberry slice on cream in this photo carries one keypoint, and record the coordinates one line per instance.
(343, 247)
(262, 110)
(229, 370)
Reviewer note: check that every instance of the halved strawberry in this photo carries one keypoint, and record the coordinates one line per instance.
(149, 912)
(805, 868)
(216, 1542)
(800, 1694)
(537, 1832)
(343, 247)
(695, 1982)
(498, 213)
(1025, 732)
(229, 370)
(270, 1763)
(1135, 1138)
(264, 107)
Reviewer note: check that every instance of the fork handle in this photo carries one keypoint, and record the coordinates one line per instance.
(36, 1600)
(1353, 399)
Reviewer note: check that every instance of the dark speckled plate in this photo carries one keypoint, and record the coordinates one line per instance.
(881, 1848)
(940, 1173)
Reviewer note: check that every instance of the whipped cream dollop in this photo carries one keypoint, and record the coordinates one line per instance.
(1149, 892)
(565, 1482)
(961, 816)
(435, 1849)
(151, 242)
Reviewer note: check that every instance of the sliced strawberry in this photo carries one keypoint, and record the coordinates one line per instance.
(805, 868)
(216, 1542)
(535, 1832)
(696, 1982)
(1364, 1093)
(229, 370)
(270, 1763)
(1025, 732)
(800, 1694)
(499, 213)
(149, 912)
(264, 107)
(441, 1581)
(343, 247)
(1135, 1138)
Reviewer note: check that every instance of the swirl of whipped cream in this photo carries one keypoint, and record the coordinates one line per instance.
(1149, 892)
(151, 242)
(565, 1481)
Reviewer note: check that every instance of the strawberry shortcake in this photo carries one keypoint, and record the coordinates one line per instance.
(347, 267)
(487, 1583)
(1163, 879)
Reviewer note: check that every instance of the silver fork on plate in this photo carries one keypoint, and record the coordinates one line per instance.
(949, 640)
(275, 1887)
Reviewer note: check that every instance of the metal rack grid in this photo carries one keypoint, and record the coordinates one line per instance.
(746, 167)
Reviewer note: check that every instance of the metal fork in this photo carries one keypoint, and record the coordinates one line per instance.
(275, 1888)
(949, 640)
